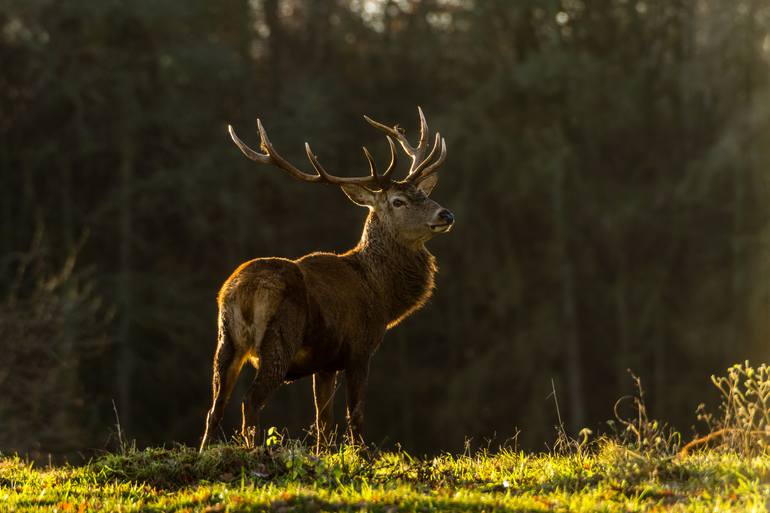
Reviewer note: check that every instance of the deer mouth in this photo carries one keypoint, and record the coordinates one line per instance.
(440, 228)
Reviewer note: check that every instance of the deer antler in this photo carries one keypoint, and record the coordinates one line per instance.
(421, 166)
(271, 156)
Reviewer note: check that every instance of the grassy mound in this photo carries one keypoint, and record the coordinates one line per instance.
(290, 478)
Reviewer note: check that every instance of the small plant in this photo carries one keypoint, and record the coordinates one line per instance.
(274, 437)
(641, 433)
(744, 425)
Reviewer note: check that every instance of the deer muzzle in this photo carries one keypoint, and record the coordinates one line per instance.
(445, 221)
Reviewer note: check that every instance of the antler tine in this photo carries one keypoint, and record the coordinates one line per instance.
(418, 170)
(393, 132)
(253, 155)
(371, 182)
(319, 169)
(393, 159)
(422, 142)
(277, 160)
(383, 179)
(437, 163)
(372, 165)
(417, 153)
(271, 156)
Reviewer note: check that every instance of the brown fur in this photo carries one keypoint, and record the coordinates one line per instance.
(324, 313)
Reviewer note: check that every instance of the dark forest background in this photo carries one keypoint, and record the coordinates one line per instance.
(607, 164)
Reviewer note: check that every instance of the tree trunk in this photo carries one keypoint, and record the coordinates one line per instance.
(124, 364)
(741, 298)
(276, 42)
(407, 411)
(623, 323)
(568, 303)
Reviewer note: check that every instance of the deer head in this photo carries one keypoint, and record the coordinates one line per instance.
(403, 207)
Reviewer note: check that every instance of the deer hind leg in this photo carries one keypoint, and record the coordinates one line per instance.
(323, 394)
(228, 361)
(272, 364)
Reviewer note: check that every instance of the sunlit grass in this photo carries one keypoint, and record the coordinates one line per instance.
(642, 467)
(607, 477)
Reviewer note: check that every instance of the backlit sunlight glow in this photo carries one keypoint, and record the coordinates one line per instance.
(206, 274)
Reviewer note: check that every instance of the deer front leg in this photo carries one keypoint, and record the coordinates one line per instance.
(356, 376)
(323, 394)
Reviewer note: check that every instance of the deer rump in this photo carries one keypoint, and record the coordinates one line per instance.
(272, 312)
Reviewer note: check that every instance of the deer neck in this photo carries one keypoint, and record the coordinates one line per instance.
(401, 274)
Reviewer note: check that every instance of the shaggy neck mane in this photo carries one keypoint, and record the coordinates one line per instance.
(403, 275)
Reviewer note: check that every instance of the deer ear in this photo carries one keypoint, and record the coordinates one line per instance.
(427, 184)
(358, 194)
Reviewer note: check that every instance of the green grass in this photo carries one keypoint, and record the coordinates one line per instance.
(290, 478)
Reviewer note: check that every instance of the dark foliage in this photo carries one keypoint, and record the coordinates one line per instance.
(607, 167)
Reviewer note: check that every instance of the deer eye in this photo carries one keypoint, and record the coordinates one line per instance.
(398, 203)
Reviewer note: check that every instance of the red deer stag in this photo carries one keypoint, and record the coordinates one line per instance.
(324, 313)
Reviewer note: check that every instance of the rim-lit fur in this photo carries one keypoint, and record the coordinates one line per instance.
(325, 312)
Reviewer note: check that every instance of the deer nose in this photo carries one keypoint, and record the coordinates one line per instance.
(446, 216)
